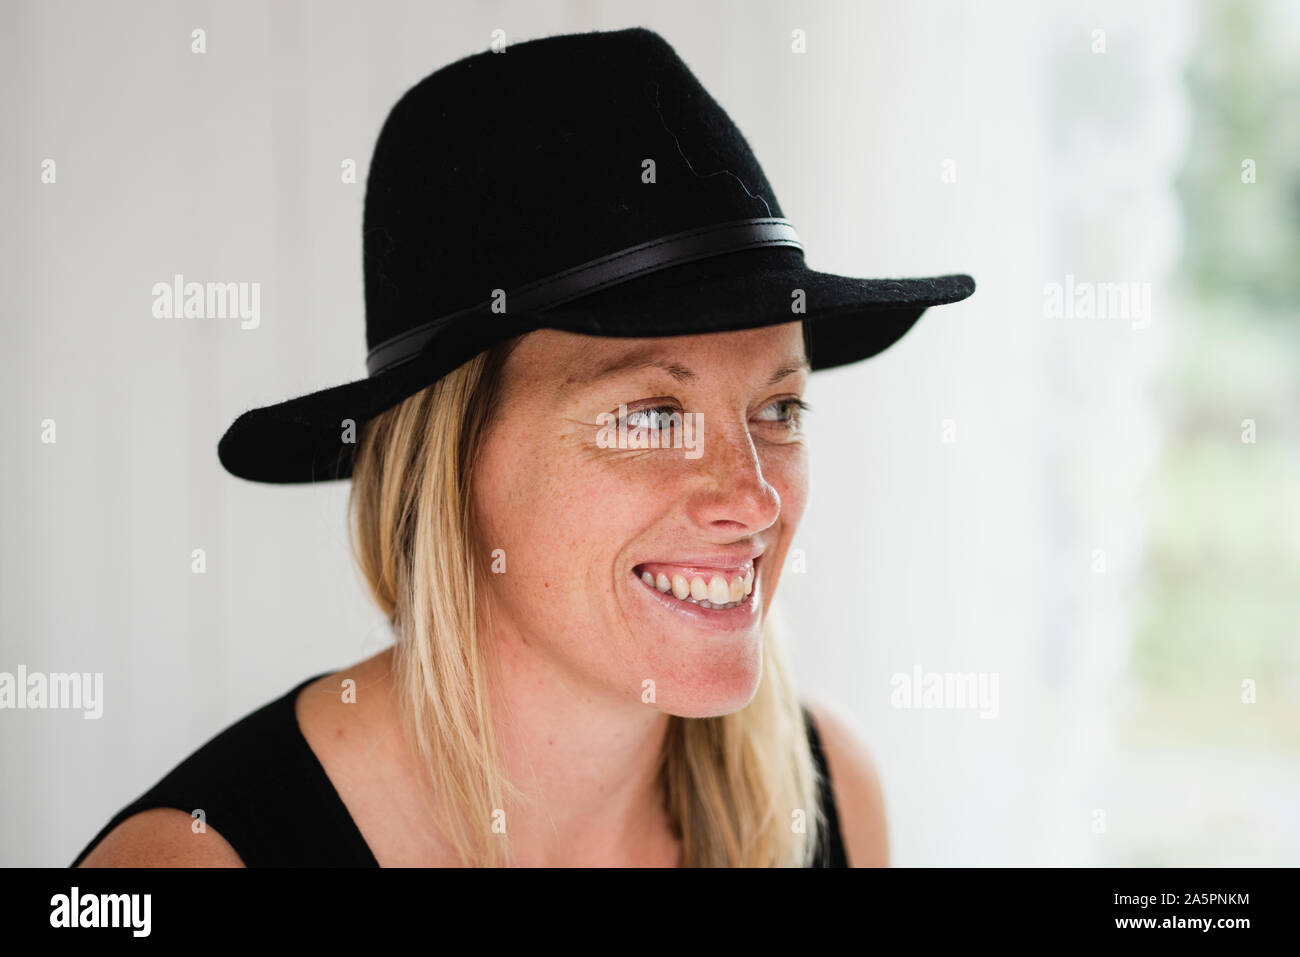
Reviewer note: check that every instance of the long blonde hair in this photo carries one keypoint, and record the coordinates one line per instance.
(736, 787)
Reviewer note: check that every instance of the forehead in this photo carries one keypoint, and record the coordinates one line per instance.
(572, 360)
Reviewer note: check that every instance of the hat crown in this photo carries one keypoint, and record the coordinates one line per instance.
(503, 168)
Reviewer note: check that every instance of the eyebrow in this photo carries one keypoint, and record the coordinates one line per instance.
(634, 361)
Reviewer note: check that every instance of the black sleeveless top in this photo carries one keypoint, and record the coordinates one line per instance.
(261, 786)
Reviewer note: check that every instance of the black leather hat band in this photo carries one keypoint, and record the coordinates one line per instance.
(598, 274)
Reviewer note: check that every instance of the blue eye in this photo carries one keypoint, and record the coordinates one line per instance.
(793, 410)
(658, 418)
(661, 418)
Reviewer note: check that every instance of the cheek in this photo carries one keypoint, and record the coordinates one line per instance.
(559, 512)
(791, 479)
(523, 507)
(786, 470)
(788, 474)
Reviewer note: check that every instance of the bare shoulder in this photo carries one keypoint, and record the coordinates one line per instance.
(161, 837)
(855, 783)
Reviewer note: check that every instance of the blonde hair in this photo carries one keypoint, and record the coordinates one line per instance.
(733, 784)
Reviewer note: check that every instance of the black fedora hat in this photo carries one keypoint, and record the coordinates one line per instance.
(586, 183)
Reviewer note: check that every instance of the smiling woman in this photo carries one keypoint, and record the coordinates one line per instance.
(577, 640)
(586, 669)
(550, 708)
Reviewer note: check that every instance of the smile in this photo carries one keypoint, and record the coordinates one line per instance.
(711, 588)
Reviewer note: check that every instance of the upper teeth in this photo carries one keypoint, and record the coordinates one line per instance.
(689, 585)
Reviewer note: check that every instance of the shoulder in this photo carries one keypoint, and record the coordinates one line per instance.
(234, 779)
(162, 837)
(855, 785)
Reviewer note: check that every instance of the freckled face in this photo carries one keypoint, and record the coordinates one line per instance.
(633, 564)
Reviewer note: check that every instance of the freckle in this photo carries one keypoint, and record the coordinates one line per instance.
(546, 584)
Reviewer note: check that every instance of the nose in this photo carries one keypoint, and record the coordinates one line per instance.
(733, 496)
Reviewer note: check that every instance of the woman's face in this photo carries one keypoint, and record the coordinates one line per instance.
(617, 556)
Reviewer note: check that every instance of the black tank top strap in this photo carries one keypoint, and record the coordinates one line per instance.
(261, 787)
(830, 843)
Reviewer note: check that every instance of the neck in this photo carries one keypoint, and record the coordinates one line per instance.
(586, 761)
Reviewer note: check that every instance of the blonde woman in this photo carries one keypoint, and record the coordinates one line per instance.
(577, 468)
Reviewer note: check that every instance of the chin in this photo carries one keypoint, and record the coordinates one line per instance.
(711, 686)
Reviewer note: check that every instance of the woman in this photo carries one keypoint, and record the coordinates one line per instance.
(576, 468)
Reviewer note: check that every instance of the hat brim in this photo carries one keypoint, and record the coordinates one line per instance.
(845, 320)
